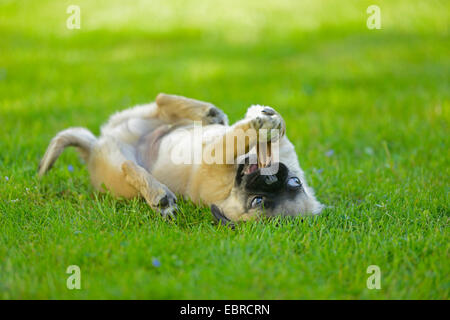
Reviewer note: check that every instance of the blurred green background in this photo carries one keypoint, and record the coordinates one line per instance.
(368, 111)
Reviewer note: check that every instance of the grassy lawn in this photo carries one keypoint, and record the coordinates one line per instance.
(368, 111)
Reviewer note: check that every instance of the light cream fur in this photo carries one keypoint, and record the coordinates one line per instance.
(115, 159)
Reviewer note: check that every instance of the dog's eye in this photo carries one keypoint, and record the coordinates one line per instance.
(257, 202)
(294, 183)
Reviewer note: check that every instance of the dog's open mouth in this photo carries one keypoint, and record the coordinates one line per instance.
(250, 168)
(263, 160)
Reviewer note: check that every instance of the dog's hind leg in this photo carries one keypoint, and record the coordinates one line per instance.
(129, 125)
(113, 167)
(157, 195)
(173, 108)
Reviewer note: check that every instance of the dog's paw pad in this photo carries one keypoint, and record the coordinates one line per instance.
(268, 111)
(166, 205)
(215, 116)
(167, 200)
(266, 122)
(169, 212)
(267, 119)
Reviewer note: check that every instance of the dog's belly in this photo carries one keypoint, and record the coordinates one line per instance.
(147, 148)
(154, 153)
(171, 165)
(173, 155)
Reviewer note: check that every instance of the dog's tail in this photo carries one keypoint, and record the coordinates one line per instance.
(81, 138)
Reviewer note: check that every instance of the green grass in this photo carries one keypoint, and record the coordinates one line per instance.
(378, 98)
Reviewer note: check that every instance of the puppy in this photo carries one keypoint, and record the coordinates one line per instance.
(185, 147)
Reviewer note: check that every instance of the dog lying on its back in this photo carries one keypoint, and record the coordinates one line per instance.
(134, 156)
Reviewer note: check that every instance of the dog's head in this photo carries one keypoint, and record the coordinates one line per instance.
(257, 193)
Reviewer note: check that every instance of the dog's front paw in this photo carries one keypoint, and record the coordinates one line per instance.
(267, 122)
(215, 116)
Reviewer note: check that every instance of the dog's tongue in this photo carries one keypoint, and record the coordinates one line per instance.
(252, 168)
(264, 158)
(264, 155)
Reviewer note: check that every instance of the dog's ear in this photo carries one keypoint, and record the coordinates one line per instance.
(220, 217)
